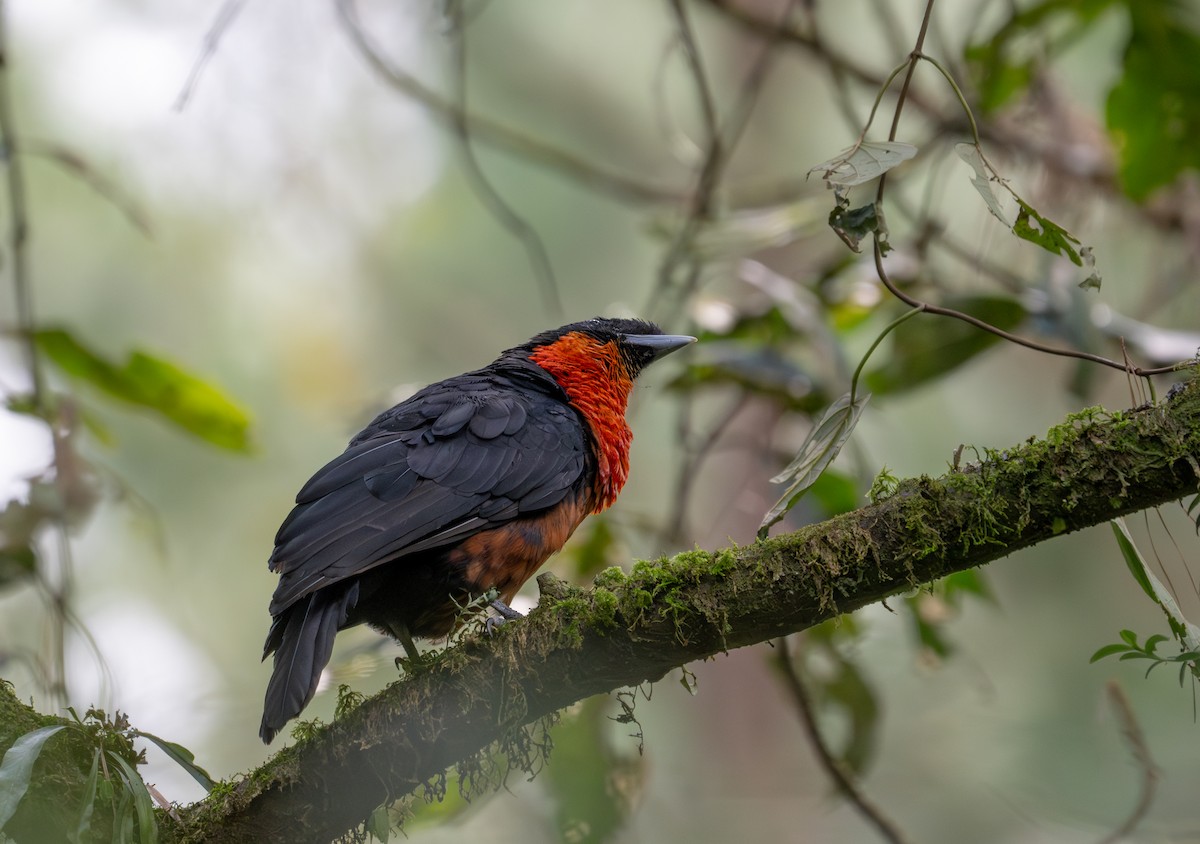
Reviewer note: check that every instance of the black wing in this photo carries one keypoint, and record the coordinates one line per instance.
(460, 456)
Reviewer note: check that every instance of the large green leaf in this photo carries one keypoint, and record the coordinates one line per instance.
(1002, 67)
(588, 780)
(151, 382)
(924, 349)
(87, 804)
(1153, 111)
(182, 757)
(143, 803)
(17, 768)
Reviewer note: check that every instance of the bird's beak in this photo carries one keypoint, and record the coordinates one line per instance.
(659, 345)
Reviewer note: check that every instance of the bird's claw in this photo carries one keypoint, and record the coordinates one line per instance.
(505, 610)
(507, 613)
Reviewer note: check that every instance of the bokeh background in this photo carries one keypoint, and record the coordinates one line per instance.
(317, 249)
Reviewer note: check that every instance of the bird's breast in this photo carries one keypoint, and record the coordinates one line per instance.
(504, 557)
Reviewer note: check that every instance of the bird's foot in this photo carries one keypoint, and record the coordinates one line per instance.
(507, 613)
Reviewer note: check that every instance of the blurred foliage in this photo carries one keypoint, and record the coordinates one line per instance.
(927, 348)
(1153, 108)
(155, 384)
(782, 310)
(594, 787)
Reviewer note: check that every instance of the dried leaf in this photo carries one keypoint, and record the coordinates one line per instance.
(863, 162)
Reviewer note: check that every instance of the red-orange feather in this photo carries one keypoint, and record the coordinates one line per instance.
(597, 382)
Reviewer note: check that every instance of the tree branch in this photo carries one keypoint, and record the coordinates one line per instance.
(634, 628)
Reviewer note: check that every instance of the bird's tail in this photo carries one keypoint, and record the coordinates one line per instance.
(302, 638)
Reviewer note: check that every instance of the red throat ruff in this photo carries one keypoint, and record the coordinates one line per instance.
(597, 383)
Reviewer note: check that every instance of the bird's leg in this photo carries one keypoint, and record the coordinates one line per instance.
(507, 614)
(400, 632)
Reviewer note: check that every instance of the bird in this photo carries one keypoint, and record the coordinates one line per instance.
(462, 490)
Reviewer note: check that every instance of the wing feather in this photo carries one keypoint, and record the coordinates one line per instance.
(461, 456)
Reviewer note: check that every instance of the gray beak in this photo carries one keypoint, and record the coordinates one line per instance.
(658, 346)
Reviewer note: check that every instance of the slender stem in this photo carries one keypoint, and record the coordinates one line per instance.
(18, 233)
(1139, 371)
(905, 317)
(962, 99)
(879, 96)
(912, 67)
(622, 186)
(485, 191)
(1132, 732)
(833, 766)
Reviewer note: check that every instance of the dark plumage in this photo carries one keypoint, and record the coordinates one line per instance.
(469, 485)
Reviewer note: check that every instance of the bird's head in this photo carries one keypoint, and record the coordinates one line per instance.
(634, 344)
(594, 362)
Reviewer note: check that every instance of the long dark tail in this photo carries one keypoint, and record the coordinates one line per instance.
(302, 638)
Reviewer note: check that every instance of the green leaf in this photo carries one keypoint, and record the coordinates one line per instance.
(1046, 233)
(182, 757)
(593, 554)
(1153, 642)
(753, 367)
(379, 825)
(86, 806)
(1108, 650)
(929, 635)
(820, 447)
(837, 492)
(1153, 111)
(1130, 637)
(925, 349)
(847, 687)
(1185, 631)
(150, 382)
(1002, 66)
(863, 162)
(142, 801)
(969, 582)
(445, 803)
(17, 768)
(983, 181)
(853, 225)
(123, 823)
(1133, 559)
(591, 784)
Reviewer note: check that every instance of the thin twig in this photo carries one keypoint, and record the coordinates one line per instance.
(80, 169)
(702, 198)
(906, 85)
(834, 767)
(812, 45)
(18, 237)
(719, 146)
(226, 15)
(1136, 740)
(912, 302)
(621, 186)
(1141, 372)
(708, 177)
(18, 231)
(484, 190)
(694, 458)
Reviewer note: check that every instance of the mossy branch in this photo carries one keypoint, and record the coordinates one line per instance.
(633, 628)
